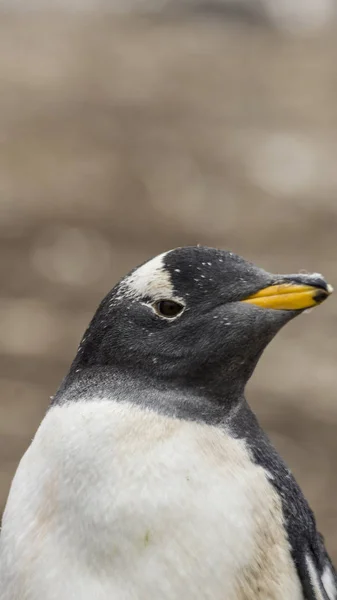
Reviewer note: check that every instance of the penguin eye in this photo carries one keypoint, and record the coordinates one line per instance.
(168, 308)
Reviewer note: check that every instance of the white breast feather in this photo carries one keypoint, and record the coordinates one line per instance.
(115, 502)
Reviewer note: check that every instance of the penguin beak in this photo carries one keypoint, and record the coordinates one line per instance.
(292, 292)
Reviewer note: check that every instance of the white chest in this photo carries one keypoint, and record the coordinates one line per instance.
(112, 502)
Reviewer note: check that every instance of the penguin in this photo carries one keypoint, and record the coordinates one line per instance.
(150, 477)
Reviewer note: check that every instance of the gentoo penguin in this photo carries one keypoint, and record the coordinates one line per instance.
(150, 478)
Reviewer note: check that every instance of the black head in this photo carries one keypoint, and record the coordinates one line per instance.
(193, 317)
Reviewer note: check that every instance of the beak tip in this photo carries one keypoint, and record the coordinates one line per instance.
(320, 295)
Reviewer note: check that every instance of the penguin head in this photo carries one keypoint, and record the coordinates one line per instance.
(194, 316)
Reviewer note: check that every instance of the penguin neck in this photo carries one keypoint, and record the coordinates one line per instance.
(211, 402)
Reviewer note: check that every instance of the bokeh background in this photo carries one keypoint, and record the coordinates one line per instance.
(130, 127)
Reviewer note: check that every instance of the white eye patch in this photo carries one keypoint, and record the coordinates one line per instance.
(151, 280)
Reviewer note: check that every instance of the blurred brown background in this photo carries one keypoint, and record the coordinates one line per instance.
(123, 136)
